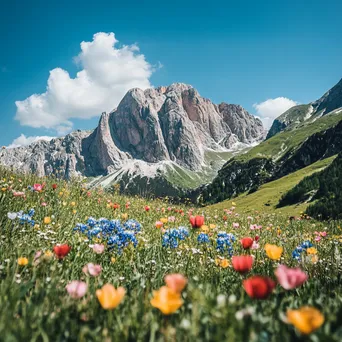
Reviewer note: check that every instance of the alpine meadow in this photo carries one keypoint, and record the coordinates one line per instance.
(182, 184)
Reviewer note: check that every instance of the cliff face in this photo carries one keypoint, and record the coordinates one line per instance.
(172, 124)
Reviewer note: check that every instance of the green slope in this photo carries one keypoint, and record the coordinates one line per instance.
(268, 195)
(282, 142)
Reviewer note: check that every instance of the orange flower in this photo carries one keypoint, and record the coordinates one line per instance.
(273, 252)
(22, 261)
(166, 300)
(110, 297)
(306, 319)
(47, 220)
(224, 263)
(175, 282)
(164, 220)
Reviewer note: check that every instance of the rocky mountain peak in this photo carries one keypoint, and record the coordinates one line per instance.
(173, 123)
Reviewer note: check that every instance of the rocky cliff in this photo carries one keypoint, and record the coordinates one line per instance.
(173, 124)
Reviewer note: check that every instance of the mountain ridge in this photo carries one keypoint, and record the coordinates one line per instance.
(155, 125)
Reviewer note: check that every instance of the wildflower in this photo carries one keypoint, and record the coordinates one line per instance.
(311, 250)
(164, 220)
(61, 251)
(115, 206)
(77, 289)
(225, 242)
(54, 186)
(236, 225)
(306, 319)
(196, 221)
(124, 216)
(110, 297)
(98, 248)
(47, 220)
(159, 224)
(203, 238)
(242, 263)
(112, 260)
(290, 278)
(175, 282)
(38, 187)
(273, 252)
(22, 261)
(224, 263)
(147, 208)
(247, 242)
(12, 216)
(258, 287)
(91, 269)
(166, 300)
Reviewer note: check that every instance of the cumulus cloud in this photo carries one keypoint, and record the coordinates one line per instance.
(107, 73)
(272, 108)
(23, 140)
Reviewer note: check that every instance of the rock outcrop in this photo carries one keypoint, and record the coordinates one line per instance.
(170, 123)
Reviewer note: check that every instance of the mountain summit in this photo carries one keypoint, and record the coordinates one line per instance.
(171, 124)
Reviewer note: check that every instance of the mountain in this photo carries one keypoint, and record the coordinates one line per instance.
(300, 141)
(297, 115)
(168, 134)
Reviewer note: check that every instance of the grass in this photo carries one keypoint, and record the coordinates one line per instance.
(282, 142)
(35, 305)
(268, 195)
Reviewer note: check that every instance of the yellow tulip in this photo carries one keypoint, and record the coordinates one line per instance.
(166, 300)
(212, 226)
(22, 261)
(164, 220)
(306, 319)
(110, 297)
(124, 216)
(234, 204)
(273, 252)
(47, 220)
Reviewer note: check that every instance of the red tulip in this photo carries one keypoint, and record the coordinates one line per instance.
(54, 186)
(257, 237)
(61, 251)
(147, 208)
(258, 287)
(197, 221)
(247, 242)
(242, 263)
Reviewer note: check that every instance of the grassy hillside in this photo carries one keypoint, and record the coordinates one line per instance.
(80, 265)
(266, 198)
(283, 142)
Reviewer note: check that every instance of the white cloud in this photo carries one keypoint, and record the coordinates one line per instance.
(108, 72)
(23, 140)
(272, 108)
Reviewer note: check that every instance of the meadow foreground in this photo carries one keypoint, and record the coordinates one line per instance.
(86, 265)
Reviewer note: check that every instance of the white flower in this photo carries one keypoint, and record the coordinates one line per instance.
(12, 216)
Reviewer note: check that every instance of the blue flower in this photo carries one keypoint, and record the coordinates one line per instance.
(203, 238)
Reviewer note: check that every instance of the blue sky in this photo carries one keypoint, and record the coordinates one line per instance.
(239, 52)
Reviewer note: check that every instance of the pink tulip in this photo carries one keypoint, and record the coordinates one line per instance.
(37, 187)
(236, 225)
(175, 282)
(77, 289)
(97, 248)
(290, 278)
(91, 269)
